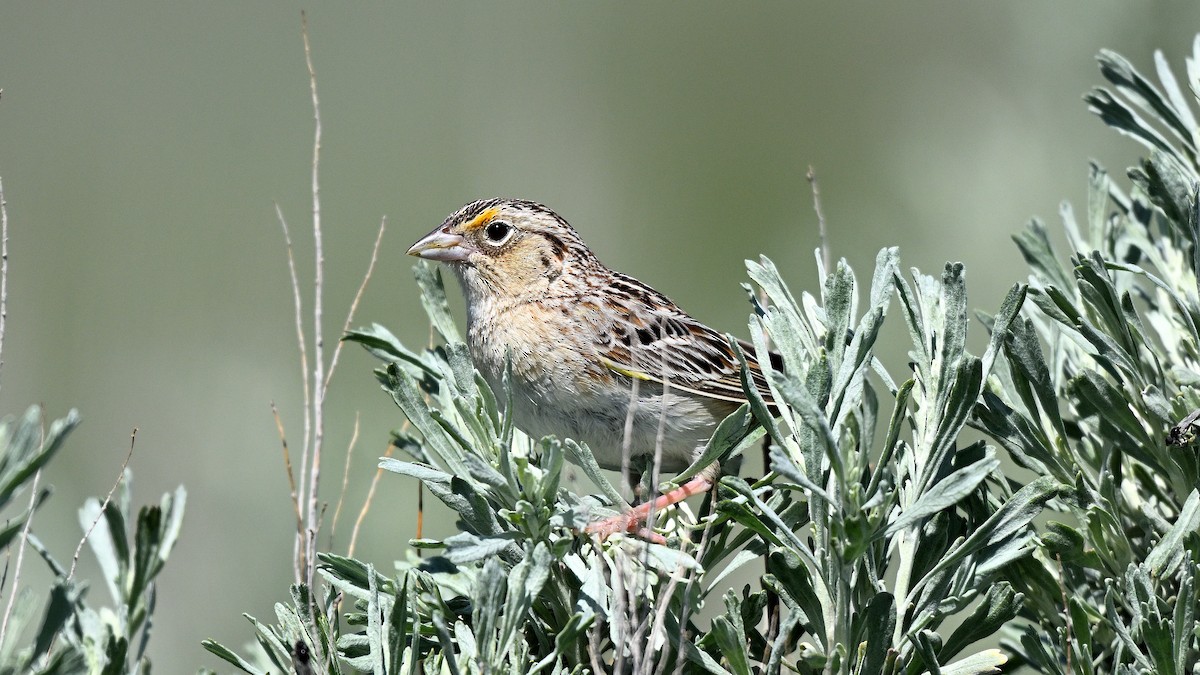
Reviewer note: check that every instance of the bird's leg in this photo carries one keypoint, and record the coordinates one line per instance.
(638, 480)
(633, 519)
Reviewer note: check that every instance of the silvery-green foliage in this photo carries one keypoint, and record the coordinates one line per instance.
(874, 540)
(890, 544)
(1099, 389)
(64, 633)
(851, 501)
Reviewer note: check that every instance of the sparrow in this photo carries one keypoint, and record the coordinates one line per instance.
(596, 355)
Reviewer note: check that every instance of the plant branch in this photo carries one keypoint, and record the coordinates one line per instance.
(298, 305)
(298, 555)
(362, 513)
(318, 370)
(826, 257)
(103, 505)
(337, 511)
(3, 269)
(12, 596)
(337, 351)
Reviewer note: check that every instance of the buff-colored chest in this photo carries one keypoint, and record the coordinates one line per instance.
(560, 386)
(551, 359)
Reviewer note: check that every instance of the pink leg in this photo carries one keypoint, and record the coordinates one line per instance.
(631, 520)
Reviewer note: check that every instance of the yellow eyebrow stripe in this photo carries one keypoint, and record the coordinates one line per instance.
(482, 219)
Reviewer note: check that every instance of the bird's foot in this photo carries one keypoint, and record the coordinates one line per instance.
(633, 520)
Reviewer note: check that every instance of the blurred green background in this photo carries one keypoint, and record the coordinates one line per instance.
(143, 143)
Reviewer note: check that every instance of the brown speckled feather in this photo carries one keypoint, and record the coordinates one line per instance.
(579, 334)
(653, 339)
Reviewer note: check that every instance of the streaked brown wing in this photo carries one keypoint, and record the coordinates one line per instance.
(653, 340)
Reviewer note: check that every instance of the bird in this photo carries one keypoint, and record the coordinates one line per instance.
(586, 343)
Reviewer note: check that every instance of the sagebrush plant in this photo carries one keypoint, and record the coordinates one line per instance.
(72, 635)
(520, 590)
(887, 540)
(1099, 389)
(60, 632)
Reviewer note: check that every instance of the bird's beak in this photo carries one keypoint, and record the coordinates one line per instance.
(442, 246)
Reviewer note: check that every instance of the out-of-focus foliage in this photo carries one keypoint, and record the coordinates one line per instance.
(63, 633)
(1098, 388)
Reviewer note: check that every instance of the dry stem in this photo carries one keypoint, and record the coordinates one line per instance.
(318, 372)
(337, 511)
(362, 513)
(3, 269)
(685, 615)
(298, 555)
(816, 192)
(12, 596)
(104, 504)
(299, 551)
(357, 297)
(315, 372)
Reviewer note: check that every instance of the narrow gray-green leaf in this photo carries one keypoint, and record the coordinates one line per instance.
(1004, 318)
(407, 396)
(224, 653)
(985, 662)
(730, 433)
(1121, 117)
(383, 345)
(998, 607)
(839, 303)
(433, 298)
(582, 457)
(879, 622)
(731, 645)
(375, 633)
(1169, 552)
(946, 493)
(418, 471)
(1014, 515)
(465, 547)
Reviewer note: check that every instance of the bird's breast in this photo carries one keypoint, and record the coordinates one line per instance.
(560, 388)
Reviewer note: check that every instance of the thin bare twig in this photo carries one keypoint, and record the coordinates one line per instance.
(621, 612)
(420, 514)
(1070, 629)
(644, 634)
(12, 596)
(816, 192)
(594, 647)
(337, 511)
(297, 496)
(3, 269)
(658, 627)
(103, 505)
(685, 615)
(318, 370)
(354, 305)
(659, 436)
(629, 491)
(297, 556)
(362, 513)
(366, 507)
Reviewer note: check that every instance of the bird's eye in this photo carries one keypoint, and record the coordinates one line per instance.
(497, 231)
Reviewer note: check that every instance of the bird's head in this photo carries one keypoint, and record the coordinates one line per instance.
(505, 248)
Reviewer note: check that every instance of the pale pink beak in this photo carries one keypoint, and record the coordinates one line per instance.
(443, 246)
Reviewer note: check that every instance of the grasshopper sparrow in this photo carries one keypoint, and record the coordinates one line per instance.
(579, 335)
